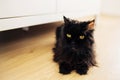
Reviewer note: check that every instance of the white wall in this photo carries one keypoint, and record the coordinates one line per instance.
(110, 7)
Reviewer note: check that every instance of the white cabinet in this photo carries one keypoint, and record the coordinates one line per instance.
(77, 5)
(78, 8)
(25, 13)
(16, 8)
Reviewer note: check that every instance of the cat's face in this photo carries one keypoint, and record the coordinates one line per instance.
(76, 34)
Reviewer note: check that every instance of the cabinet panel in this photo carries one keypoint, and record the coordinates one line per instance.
(11, 8)
(77, 5)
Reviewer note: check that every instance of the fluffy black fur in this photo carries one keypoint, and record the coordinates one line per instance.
(73, 53)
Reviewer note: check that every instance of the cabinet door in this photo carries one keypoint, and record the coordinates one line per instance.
(77, 5)
(14, 8)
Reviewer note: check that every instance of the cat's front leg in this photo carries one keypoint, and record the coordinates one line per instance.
(65, 68)
(82, 69)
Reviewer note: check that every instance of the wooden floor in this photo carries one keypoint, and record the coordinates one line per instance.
(28, 55)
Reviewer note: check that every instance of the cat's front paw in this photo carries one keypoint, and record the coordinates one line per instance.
(64, 68)
(64, 71)
(81, 71)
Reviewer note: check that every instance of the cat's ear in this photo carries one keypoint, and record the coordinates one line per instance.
(66, 20)
(91, 24)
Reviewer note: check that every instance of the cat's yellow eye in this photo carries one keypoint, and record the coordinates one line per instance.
(68, 35)
(82, 37)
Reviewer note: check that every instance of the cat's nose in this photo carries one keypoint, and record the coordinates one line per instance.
(73, 43)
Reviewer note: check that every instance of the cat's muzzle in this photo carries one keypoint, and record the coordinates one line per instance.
(74, 47)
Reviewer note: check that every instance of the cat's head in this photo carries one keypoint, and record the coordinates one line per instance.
(78, 34)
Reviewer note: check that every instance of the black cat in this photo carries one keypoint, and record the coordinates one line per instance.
(74, 46)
